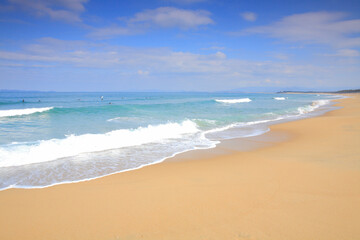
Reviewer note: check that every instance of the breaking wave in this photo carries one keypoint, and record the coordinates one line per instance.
(17, 154)
(240, 100)
(315, 104)
(279, 98)
(19, 112)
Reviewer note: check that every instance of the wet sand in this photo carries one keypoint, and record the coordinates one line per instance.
(305, 185)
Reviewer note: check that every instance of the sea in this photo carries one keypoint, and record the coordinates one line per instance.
(50, 138)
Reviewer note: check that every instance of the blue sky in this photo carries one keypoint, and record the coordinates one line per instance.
(179, 45)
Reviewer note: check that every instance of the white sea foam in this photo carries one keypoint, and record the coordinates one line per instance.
(279, 98)
(19, 112)
(240, 100)
(47, 150)
(120, 119)
(207, 121)
(241, 124)
(315, 104)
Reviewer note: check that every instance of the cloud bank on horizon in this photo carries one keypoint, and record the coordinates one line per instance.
(176, 45)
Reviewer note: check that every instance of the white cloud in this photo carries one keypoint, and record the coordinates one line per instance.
(172, 69)
(173, 17)
(85, 54)
(280, 56)
(249, 16)
(346, 53)
(62, 10)
(164, 17)
(109, 32)
(220, 55)
(214, 48)
(141, 72)
(314, 27)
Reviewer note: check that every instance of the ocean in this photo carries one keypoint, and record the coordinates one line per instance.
(49, 138)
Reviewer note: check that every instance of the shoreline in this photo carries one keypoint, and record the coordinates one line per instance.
(242, 143)
(306, 187)
(265, 139)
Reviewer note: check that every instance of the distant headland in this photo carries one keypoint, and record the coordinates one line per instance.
(341, 91)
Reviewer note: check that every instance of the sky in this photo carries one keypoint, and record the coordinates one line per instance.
(179, 45)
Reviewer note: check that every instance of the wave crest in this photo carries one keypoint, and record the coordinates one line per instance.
(19, 112)
(240, 100)
(279, 98)
(47, 150)
(314, 105)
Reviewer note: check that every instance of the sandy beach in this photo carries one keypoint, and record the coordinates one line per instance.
(304, 187)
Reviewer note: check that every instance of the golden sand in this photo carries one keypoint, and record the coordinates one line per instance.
(307, 187)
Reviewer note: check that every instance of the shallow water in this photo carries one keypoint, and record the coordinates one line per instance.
(53, 138)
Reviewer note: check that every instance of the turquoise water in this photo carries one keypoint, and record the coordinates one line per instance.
(53, 138)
